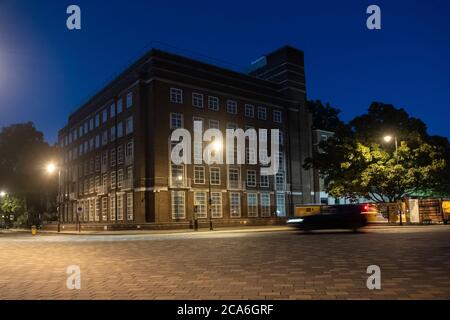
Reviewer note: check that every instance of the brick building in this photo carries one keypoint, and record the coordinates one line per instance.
(116, 148)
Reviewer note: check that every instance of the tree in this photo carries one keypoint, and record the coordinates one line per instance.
(10, 205)
(325, 117)
(355, 163)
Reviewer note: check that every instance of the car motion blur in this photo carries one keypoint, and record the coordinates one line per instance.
(351, 217)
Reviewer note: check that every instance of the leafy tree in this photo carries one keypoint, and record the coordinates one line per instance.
(356, 163)
(325, 117)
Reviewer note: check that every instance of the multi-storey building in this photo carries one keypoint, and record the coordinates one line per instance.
(116, 162)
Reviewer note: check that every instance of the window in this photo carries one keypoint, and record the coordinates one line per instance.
(112, 111)
(129, 149)
(200, 204)
(129, 99)
(97, 183)
(91, 209)
(197, 100)
(279, 180)
(105, 181)
(113, 157)
(198, 151)
(252, 204)
(176, 95)
(177, 174)
(97, 163)
(119, 106)
(214, 175)
(86, 146)
(119, 207)
(265, 204)
(235, 205)
(97, 209)
(113, 180)
(105, 158)
(232, 106)
(104, 208)
(216, 204)
(130, 176)
(113, 133)
(199, 174)
(262, 113)
(86, 210)
(178, 208)
(105, 138)
(213, 103)
(277, 116)
(80, 131)
(251, 178)
(104, 115)
(91, 144)
(91, 165)
(120, 178)
(91, 124)
(97, 141)
(233, 178)
(176, 120)
(281, 205)
(86, 127)
(97, 120)
(129, 125)
(120, 130)
(112, 208)
(264, 181)
(196, 125)
(249, 110)
(120, 154)
(214, 124)
(130, 208)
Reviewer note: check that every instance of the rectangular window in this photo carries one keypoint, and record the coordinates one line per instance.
(105, 138)
(232, 106)
(119, 106)
(214, 175)
(97, 209)
(105, 181)
(112, 111)
(129, 99)
(214, 124)
(178, 207)
(251, 178)
(119, 207)
(97, 141)
(86, 210)
(91, 144)
(281, 205)
(91, 209)
(252, 204)
(176, 120)
(130, 208)
(97, 183)
(113, 157)
(129, 149)
(120, 178)
(104, 208)
(249, 110)
(112, 208)
(113, 180)
(97, 120)
(176, 95)
(104, 115)
(262, 113)
(197, 100)
(129, 125)
(113, 133)
(80, 131)
(265, 204)
(234, 178)
(216, 204)
(120, 130)
(130, 176)
(199, 174)
(120, 154)
(86, 127)
(235, 205)
(200, 204)
(177, 174)
(213, 103)
(279, 180)
(91, 124)
(264, 181)
(277, 116)
(91, 185)
(105, 158)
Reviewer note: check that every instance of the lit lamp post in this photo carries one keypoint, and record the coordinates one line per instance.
(2, 195)
(217, 146)
(388, 139)
(51, 169)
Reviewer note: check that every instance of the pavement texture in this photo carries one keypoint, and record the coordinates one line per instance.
(258, 263)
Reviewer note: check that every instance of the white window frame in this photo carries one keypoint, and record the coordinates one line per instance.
(213, 103)
(199, 169)
(262, 113)
(202, 204)
(213, 181)
(277, 116)
(178, 210)
(197, 100)
(251, 182)
(265, 206)
(252, 210)
(231, 106)
(249, 110)
(130, 206)
(176, 95)
(179, 118)
(236, 205)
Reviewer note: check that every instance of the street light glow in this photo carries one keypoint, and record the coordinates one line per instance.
(217, 146)
(388, 138)
(51, 167)
(2, 194)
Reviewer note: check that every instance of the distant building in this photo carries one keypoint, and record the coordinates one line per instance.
(116, 148)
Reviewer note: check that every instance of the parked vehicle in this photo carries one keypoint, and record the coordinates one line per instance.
(353, 216)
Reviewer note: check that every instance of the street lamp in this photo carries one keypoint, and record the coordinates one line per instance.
(217, 146)
(51, 168)
(388, 139)
(3, 194)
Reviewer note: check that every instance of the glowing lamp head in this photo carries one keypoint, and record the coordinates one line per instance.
(2, 194)
(51, 168)
(217, 146)
(388, 138)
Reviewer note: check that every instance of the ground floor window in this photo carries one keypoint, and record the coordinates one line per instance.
(265, 204)
(200, 204)
(120, 207)
(97, 209)
(178, 205)
(91, 209)
(235, 205)
(86, 210)
(216, 204)
(130, 208)
(104, 209)
(252, 204)
(281, 205)
(112, 208)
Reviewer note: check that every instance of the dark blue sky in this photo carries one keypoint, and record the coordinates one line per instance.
(46, 71)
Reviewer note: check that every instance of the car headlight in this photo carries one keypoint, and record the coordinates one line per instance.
(295, 220)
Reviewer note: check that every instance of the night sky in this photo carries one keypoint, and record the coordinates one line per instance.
(47, 71)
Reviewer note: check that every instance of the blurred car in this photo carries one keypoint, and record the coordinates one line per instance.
(353, 217)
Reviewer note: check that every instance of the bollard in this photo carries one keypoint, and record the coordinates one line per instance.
(33, 230)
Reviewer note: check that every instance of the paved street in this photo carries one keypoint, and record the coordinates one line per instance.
(249, 264)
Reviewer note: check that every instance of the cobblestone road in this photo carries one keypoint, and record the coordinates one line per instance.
(414, 262)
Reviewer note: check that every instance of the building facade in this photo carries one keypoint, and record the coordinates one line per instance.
(116, 168)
